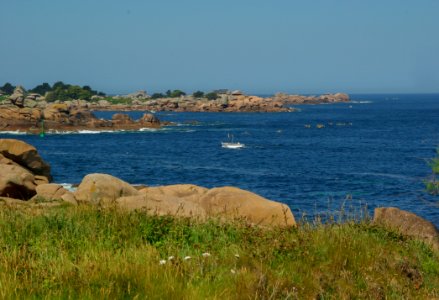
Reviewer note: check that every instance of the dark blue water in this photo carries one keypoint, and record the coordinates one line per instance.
(376, 155)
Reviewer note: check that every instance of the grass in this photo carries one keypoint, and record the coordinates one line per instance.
(3, 97)
(87, 253)
(120, 100)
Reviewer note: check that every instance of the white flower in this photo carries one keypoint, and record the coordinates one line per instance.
(170, 258)
(237, 255)
(206, 254)
(233, 271)
(187, 257)
(162, 262)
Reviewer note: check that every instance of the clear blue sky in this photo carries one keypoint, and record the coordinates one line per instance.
(307, 46)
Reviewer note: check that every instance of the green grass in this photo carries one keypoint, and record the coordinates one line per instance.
(119, 100)
(87, 253)
(4, 97)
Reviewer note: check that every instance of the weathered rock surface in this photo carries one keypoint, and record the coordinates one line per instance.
(227, 203)
(408, 224)
(103, 189)
(300, 99)
(21, 169)
(66, 117)
(228, 102)
(25, 155)
(53, 191)
(233, 202)
(15, 181)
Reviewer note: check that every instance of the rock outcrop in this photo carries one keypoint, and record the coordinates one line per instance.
(408, 224)
(103, 189)
(228, 102)
(225, 203)
(300, 99)
(21, 170)
(67, 116)
(54, 192)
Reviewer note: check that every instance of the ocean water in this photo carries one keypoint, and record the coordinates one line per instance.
(372, 152)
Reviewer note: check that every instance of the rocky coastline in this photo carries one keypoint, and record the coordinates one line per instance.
(25, 181)
(223, 101)
(31, 114)
(227, 102)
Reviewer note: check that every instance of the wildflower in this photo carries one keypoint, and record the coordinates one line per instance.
(233, 271)
(237, 255)
(162, 262)
(187, 257)
(171, 258)
(206, 254)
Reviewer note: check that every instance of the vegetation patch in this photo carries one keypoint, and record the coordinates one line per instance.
(84, 252)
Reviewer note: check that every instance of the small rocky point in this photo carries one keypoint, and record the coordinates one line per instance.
(30, 113)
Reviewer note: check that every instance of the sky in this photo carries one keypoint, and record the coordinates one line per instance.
(261, 47)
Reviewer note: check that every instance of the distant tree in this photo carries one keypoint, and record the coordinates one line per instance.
(177, 93)
(60, 85)
(42, 89)
(168, 93)
(51, 97)
(157, 96)
(7, 88)
(87, 88)
(211, 96)
(198, 94)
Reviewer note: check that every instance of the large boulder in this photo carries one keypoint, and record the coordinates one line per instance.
(407, 223)
(232, 202)
(175, 200)
(53, 191)
(149, 118)
(25, 155)
(226, 203)
(103, 189)
(15, 181)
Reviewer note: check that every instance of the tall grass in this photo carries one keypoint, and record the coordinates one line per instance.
(83, 252)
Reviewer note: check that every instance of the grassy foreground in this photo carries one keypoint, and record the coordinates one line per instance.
(83, 252)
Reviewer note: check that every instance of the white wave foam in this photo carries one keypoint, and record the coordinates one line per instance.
(68, 186)
(16, 132)
(149, 129)
(361, 101)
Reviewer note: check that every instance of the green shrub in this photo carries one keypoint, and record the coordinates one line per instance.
(85, 252)
(198, 94)
(211, 96)
(432, 185)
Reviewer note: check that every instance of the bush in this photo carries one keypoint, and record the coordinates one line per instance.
(7, 88)
(41, 89)
(212, 96)
(157, 96)
(198, 94)
(432, 185)
(177, 93)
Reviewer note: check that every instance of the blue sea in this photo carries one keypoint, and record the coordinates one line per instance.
(371, 152)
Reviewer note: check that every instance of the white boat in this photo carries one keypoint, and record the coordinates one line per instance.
(231, 144)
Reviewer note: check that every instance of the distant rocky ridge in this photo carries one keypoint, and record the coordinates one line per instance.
(30, 113)
(235, 101)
